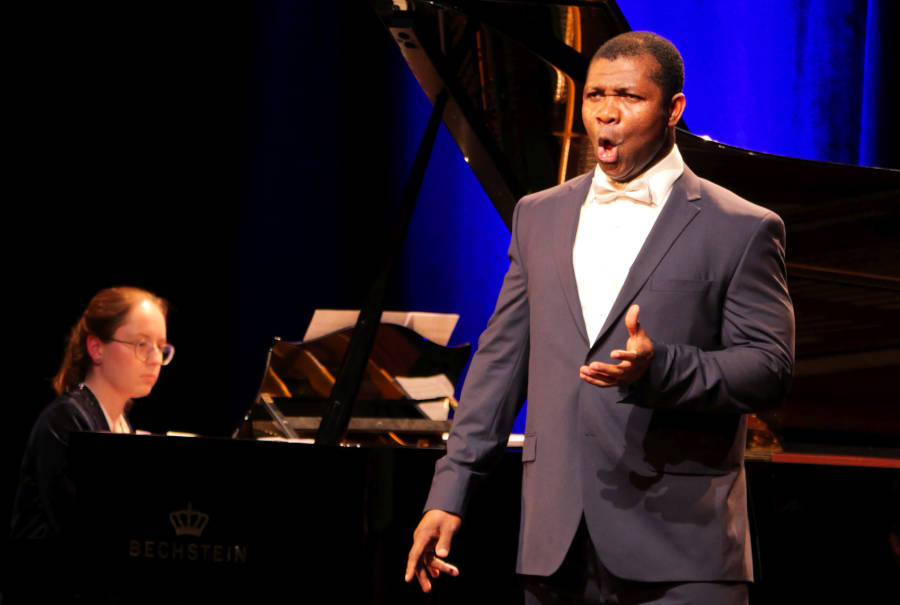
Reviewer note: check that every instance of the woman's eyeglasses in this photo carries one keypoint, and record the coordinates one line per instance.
(143, 350)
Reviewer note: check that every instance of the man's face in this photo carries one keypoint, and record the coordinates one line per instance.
(627, 120)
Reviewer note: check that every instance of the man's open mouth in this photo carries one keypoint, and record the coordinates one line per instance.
(607, 151)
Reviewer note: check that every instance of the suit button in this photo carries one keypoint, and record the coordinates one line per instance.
(588, 434)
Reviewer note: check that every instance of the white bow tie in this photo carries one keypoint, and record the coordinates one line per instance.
(637, 190)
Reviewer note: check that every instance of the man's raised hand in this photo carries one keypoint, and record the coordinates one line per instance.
(633, 361)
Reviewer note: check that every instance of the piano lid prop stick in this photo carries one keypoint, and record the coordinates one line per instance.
(346, 386)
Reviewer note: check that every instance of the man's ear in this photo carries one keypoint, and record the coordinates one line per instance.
(676, 108)
(95, 348)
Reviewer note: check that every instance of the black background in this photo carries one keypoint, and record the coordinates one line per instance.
(212, 153)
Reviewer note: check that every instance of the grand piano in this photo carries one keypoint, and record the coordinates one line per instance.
(495, 58)
(260, 519)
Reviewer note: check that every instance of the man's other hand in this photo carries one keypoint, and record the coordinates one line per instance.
(633, 360)
(431, 545)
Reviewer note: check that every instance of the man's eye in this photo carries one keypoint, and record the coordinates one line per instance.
(144, 345)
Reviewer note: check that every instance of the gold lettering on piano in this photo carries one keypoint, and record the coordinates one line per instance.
(188, 522)
(223, 554)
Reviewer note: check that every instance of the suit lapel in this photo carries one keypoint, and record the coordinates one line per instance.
(566, 216)
(680, 209)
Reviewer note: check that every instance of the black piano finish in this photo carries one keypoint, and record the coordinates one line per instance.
(318, 524)
(292, 521)
(824, 533)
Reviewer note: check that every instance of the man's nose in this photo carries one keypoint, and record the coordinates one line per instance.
(608, 111)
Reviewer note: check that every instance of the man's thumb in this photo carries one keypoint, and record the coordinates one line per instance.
(631, 320)
(443, 545)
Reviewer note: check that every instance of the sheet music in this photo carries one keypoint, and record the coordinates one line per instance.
(435, 410)
(426, 387)
(436, 327)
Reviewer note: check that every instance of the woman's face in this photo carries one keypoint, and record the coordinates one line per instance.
(119, 366)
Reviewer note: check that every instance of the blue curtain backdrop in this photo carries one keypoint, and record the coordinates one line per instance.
(800, 78)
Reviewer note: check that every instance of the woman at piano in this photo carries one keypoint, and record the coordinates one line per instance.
(113, 355)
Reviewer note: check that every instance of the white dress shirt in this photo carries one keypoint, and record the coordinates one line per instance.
(611, 231)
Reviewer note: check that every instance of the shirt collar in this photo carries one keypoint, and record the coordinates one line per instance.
(660, 177)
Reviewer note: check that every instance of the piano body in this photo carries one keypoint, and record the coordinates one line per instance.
(255, 518)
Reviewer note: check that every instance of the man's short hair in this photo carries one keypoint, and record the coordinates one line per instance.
(669, 76)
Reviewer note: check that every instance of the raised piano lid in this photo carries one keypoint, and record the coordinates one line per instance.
(514, 72)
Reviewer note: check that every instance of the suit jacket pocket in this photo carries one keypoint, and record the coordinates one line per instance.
(529, 447)
(679, 285)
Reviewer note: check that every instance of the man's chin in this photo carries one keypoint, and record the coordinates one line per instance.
(613, 171)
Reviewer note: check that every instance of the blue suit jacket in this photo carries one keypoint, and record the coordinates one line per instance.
(655, 469)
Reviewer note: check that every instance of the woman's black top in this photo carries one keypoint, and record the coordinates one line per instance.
(46, 493)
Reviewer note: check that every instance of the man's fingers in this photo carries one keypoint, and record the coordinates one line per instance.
(599, 383)
(432, 535)
(627, 358)
(598, 379)
(430, 565)
(424, 582)
(626, 361)
(437, 566)
(411, 564)
(412, 561)
(597, 367)
(433, 568)
(601, 370)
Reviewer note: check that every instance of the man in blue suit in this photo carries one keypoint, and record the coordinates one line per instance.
(633, 485)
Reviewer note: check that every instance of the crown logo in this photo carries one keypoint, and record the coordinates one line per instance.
(188, 522)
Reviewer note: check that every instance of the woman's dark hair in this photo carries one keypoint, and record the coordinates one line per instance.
(102, 317)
